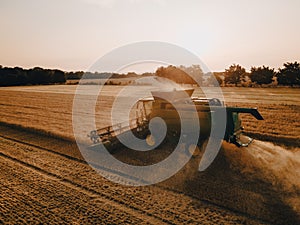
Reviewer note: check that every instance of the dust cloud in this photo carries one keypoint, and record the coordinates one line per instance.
(264, 161)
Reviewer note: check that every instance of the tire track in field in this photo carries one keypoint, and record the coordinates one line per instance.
(86, 189)
(205, 201)
(167, 216)
(43, 148)
(25, 202)
(90, 192)
(56, 148)
(107, 170)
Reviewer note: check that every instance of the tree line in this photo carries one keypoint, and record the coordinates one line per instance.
(288, 75)
(236, 75)
(19, 76)
(182, 74)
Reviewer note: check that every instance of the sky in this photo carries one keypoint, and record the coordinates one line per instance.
(72, 34)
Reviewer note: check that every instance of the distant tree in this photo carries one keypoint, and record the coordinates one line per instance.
(21, 76)
(79, 74)
(70, 76)
(182, 74)
(195, 72)
(175, 74)
(131, 74)
(234, 74)
(117, 75)
(289, 74)
(57, 76)
(87, 75)
(214, 79)
(12, 76)
(38, 75)
(219, 79)
(147, 74)
(262, 75)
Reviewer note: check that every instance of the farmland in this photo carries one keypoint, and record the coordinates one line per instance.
(46, 180)
(49, 108)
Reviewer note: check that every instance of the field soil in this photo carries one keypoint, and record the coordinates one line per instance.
(45, 179)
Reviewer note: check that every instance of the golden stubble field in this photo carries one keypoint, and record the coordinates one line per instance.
(46, 179)
(49, 108)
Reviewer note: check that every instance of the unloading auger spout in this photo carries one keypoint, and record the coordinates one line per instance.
(234, 128)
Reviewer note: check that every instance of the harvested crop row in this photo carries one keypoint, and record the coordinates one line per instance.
(152, 201)
(28, 196)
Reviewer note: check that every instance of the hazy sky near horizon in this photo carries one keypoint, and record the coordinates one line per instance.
(73, 34)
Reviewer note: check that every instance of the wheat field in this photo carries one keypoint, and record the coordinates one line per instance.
(42, 174)
(49, 109)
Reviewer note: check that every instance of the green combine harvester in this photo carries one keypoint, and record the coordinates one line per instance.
(168, 106)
